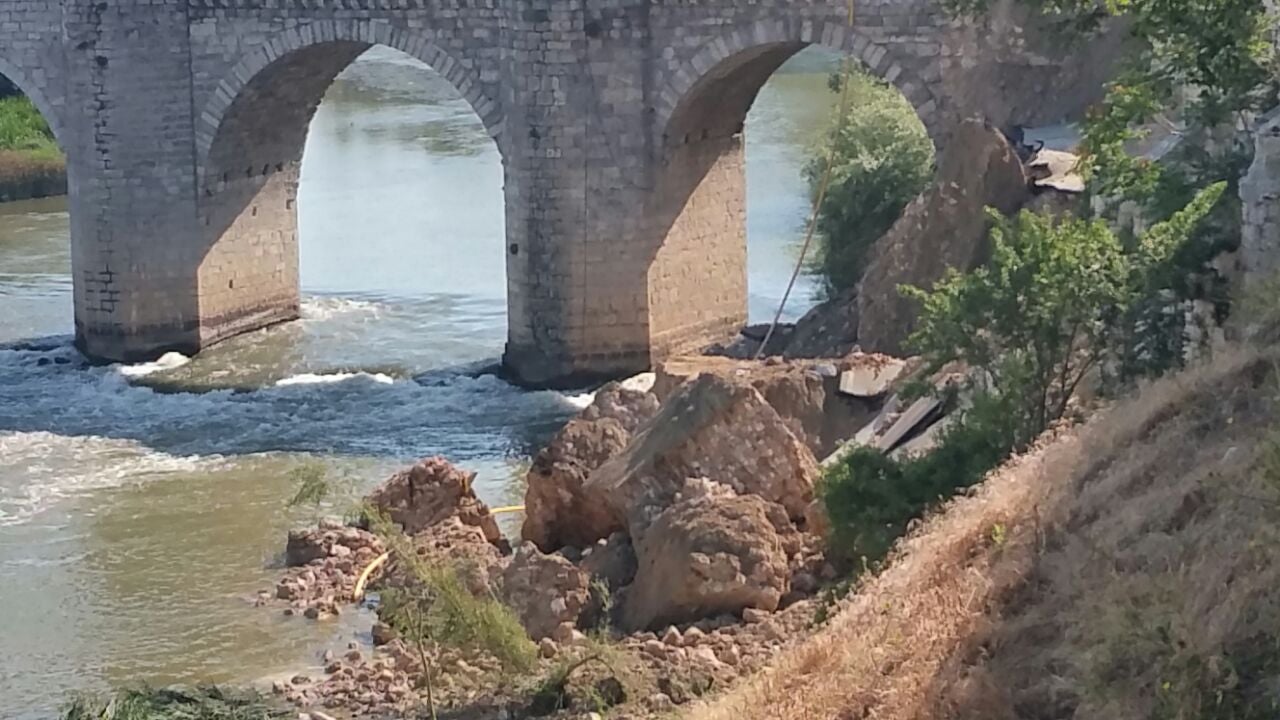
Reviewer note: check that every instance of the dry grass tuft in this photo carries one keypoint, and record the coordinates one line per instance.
(1122, 569)
(31, 173)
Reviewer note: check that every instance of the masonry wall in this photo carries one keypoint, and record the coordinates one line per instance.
(698, 277)
(135, 243)
(248, 278)
(617, 121)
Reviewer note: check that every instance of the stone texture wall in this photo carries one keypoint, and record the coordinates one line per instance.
(248, 277)
(129, 125)
(618, 121)
(1260, 196)
(698, 277)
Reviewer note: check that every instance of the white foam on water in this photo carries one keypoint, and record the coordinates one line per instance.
(329, 378)
(49, 468)
(581, 400)
(67, 427)
(329, 308)
(168, 361)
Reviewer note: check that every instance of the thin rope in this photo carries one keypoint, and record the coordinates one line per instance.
(820, 197)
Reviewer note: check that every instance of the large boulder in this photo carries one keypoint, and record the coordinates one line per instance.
(452, 544)
(711, 427)
(545, 591)
(428, 493)
(803, 392)
(630, 407)
(611, 561)
(709, 555)
(559, 508)
(946, 227)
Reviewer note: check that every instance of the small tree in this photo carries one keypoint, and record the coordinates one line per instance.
(313, 485)
(881, 159)
(1050, 308)
(433, 606)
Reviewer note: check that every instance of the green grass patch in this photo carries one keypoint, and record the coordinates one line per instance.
(177, 703)
(22, 128)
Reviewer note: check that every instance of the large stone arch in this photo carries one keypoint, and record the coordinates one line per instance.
(750, 54)
(39, 97)
(361, 34)
(698, 208)
(249, 142)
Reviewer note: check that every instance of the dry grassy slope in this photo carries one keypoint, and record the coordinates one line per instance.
(1126, 569)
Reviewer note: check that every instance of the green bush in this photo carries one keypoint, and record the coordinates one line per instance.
(23, 128)
(881, 159)
(870, 498)
(1058, 303)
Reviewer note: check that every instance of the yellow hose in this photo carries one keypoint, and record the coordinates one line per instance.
(358, 593)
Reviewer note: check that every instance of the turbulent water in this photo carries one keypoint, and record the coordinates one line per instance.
(142, 507)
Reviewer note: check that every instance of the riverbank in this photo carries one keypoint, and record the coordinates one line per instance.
(31, 174)
(1121, 567)
(31, 164)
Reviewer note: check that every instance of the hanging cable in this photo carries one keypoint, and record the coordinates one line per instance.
(821, 196)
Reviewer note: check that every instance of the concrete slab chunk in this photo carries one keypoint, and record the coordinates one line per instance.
(871, 379)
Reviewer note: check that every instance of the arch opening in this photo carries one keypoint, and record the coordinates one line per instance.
(720, 193)
(32, 163)
(312, 177)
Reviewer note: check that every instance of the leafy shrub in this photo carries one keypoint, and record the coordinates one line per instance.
(1057, 303)
(881, 159)
(23, 128)
(870, 498)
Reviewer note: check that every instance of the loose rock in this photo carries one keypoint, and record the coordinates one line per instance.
(560, 509)
(428, 493)
(709, 555)
(712, 427)
(545, 591)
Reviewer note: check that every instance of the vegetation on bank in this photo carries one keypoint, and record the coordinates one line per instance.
(31, 165)
(1050, 312)
(23, 129)
(1098, 301)
(881, 158)
(1095, 300)
(176, 703)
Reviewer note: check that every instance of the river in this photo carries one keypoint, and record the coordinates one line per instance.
(136, 526)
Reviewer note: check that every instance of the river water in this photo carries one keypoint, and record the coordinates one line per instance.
(137, 525)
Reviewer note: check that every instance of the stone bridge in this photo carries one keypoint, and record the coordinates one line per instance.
(619, 123)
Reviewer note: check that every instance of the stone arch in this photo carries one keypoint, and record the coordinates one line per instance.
(740, 61)
(250, 138)
(698, 209)
(350, 38)
(36, 94)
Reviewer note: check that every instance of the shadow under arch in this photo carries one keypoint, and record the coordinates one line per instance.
(699, 204)
(250, 140)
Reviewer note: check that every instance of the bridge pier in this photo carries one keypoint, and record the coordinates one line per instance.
(128, 129)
